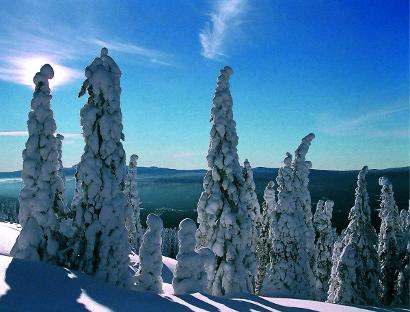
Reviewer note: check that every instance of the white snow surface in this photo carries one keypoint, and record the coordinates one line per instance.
(31, 286)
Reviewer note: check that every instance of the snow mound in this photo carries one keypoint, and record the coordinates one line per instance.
(37, 286)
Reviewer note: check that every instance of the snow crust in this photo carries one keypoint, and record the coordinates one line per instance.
(23, 287)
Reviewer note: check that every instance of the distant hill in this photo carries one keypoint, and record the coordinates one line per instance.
(174, 193)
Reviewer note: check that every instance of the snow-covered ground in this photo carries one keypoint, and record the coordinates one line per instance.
(35, 286)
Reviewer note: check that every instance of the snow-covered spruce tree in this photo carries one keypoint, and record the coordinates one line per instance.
(325, 237)
(60, 139)
(356, 279)
(263, 246)
(148, 277)
(289, 273)
(337, 250)
(103, 247)
(402, 289)
(132, 221)
(40, 204)
(223, 220)
(388, 249)
(303, 203)
(189, 275)
(254, 214)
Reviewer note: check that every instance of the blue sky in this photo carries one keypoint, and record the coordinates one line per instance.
(335, 68)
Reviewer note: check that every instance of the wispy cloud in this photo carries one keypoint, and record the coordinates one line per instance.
(225, 17)
(371, 124)
(66, 135)
(25, 45)
(151, 55)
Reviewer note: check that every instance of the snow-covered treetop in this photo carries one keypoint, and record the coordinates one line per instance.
(303, 148)
(328, 208)
(154, 223)
(361, 197)
(385, 183)
(269, 196)
(222, 155)
(133, 161)
(186, 235)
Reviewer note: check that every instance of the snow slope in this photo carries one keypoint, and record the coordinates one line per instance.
(35, 286)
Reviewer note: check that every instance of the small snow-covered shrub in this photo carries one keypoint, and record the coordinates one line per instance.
(189, 275)
(148, 277)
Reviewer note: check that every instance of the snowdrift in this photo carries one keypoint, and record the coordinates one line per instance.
(35, 286)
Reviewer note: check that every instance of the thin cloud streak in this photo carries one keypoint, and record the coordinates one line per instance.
(43, 46)
(25, 134)
(370, 125)
(151, 55)
(224, 18)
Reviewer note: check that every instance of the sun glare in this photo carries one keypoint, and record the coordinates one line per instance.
(26, 67)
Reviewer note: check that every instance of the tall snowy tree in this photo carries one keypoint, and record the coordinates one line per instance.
(325, 237)
(132, 221)
(254, 214)
(337, 250)
(402, 289)
(223, 220)
(41, 205)
(103, 247)
(388, 249)
(189, 275)
(289, 272)
(303, 204)
(148, 277)
(263, 247)
(356, 278)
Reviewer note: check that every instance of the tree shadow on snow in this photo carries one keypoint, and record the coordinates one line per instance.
(35, 286)
(245, 303)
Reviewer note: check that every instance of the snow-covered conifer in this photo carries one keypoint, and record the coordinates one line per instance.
(223, 220)
(189, 275)
(388, 249)
(337, 250)
(303, 204)
(254, 214)
(148, 277)
(264, 246)
(132, 221)
(103, 247)
(209, 260)
(289, 272)
(41, 205)
(356, 278)
(402, 289)
(325, 237)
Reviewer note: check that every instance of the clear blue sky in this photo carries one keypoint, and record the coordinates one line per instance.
(335, 68)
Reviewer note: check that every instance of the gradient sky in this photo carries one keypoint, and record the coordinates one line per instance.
(335, 68)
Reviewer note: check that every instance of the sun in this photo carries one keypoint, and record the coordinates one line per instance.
(27, 66)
